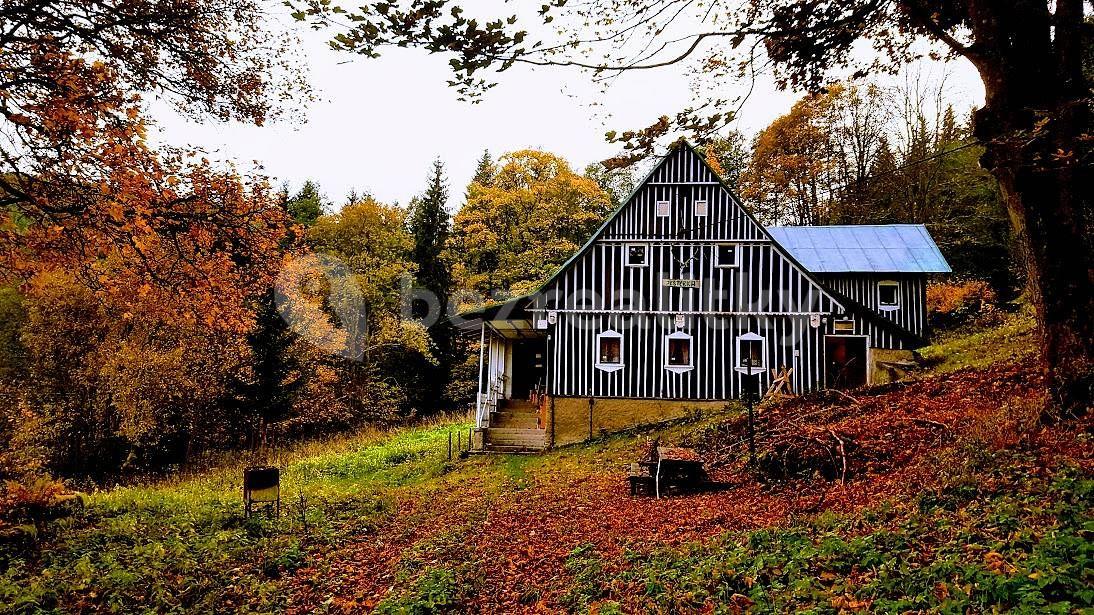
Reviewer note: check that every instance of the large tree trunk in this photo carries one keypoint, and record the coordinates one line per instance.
(1035, 115)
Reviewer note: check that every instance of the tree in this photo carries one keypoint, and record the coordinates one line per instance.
(430, 225)
(729, 156)
(383, 362)
(307, 205)
(618, 183)
(1029, 54)
(514, 233)
(789, 178)
(484, 170)
(81, 189)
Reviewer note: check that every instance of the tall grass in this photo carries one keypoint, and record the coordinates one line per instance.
(183, 544)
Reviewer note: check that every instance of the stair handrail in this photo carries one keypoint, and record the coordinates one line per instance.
(488, 402)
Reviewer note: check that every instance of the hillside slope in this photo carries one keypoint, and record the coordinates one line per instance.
(940, 494)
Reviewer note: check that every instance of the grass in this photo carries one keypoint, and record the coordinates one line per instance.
(1013, 340)
(184, 545)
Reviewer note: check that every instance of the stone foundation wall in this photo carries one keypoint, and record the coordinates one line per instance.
(882, 370)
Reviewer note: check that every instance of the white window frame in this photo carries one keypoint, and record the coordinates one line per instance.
(645, 254)
(668, 209)
(695, 208)
(889, 307)
(680, 335)
(751, 337)
(608, 367)
(847, 322)
(736, 255)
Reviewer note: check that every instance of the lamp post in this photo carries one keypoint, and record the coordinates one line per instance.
(751, 421)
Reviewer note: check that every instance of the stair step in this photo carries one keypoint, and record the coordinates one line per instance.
(502, 448)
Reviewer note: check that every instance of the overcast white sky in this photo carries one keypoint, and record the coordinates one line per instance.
(378, 124)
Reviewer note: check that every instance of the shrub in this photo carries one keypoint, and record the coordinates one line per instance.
(952, 304)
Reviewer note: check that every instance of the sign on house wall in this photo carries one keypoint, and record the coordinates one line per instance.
(681, 283)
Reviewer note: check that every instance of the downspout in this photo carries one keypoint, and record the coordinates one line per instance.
(548, 387)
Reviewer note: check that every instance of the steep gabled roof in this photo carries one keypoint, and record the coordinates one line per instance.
(866, 248)
(640, 185)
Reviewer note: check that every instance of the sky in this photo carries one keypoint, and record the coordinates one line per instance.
(377, 124)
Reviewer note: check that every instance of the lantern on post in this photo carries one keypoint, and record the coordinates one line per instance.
(262, 487)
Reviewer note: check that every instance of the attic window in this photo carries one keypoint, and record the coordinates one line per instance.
(664, 208)
(888, 295)
(726, 255)
(637, 254)
(700, 208)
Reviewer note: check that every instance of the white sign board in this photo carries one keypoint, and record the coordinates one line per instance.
(680, 283)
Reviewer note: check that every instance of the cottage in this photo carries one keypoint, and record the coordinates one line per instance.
(682, 300)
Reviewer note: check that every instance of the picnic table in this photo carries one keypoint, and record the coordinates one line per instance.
(673, 467)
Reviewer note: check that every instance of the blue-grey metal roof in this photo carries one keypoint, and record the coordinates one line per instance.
(866, 248)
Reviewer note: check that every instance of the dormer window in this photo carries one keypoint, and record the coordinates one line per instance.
(637, 254)
(888, 295)
(664, 208)
(725, 255)
(700, 208)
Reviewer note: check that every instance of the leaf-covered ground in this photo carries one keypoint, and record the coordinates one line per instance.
(560, 531)
(953, 500)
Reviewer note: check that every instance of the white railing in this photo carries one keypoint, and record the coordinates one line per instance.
(488, 401)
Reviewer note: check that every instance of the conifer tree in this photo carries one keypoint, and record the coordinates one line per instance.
(430, 225)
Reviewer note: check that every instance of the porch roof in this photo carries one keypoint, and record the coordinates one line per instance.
(510, 318)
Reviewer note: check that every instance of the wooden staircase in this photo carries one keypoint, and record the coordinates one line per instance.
(514, 428)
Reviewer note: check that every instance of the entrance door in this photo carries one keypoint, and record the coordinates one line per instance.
(528, 363)
(845, 361)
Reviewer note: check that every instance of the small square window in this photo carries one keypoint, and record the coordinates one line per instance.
(726, 255)
(664, 208)
(750, 353)
(679, 352)
(700, 208)
(843, 326)
(609, 351)
(888, 294)
(637, 254)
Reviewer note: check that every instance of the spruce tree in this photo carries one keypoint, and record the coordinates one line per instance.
(484, 171)
(430, 225)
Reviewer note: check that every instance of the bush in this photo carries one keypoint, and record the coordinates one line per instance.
(951, 304)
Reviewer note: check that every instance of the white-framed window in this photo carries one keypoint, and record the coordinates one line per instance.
(609, 351)
(888, 295)
(678, 352)
(725, 254)
(700, 208)
(638, 254)
(751, 353)
(664, 208)
(843, 326)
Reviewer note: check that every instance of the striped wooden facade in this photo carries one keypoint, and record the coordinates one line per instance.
(765, 293)
(682, 291)
(909, 314)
